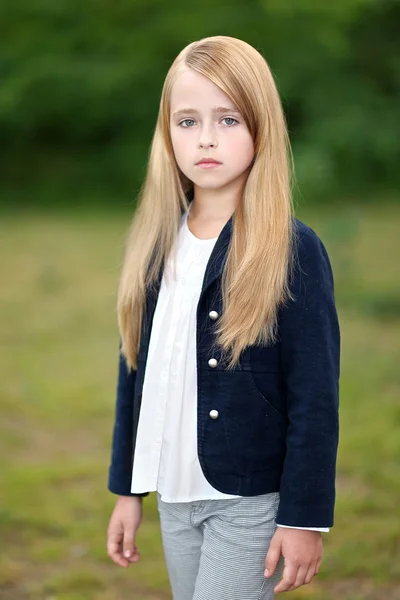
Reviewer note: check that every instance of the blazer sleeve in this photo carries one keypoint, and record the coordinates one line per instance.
(310, 355)
(120, 471)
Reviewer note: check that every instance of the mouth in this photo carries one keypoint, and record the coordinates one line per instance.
(208, 164)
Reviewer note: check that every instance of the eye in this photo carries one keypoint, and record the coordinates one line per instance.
(185, 121)
(230, 119)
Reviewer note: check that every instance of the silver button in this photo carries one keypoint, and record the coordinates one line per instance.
(213, 362)
(214, 414)
(213, 315)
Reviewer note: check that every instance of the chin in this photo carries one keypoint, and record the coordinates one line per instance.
(209, 181)
(209, 186)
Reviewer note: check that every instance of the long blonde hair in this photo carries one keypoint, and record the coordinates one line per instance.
(255, 280)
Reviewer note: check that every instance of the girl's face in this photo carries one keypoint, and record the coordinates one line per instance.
(205, 124)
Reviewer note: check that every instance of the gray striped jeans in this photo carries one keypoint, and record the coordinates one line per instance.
(216, 549)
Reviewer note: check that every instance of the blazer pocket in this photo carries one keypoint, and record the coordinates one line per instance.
(254, 431)
(270, 380)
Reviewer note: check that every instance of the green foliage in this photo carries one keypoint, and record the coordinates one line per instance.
(81, 82)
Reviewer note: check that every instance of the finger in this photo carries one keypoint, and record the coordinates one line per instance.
(318, 565)
(300, 578)
(288, 578)
(310, 572)
(114, 547)
(135, 557)
(272, 558)
(114, 540)
(116, 556)
(129, 546)
(114, 552)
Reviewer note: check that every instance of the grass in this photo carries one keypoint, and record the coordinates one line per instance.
(57, 392)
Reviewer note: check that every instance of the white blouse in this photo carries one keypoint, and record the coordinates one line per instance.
(166, 456)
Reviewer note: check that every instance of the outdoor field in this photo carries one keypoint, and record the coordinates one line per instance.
(58, 378)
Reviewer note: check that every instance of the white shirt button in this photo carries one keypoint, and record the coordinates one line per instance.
(214, 414)
(213, 315)
(213, 362)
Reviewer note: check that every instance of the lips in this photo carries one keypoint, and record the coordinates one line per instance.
(208, 161)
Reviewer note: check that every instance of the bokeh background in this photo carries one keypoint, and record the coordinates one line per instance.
(79, 95)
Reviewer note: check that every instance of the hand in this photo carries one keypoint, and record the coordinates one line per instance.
(302, 552)
(124, 523)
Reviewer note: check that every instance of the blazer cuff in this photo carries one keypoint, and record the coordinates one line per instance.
(311, 528)
(119, 483)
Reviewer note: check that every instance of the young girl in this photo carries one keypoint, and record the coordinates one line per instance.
(227, 396)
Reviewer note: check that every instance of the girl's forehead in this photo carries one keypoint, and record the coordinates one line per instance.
(194, 90)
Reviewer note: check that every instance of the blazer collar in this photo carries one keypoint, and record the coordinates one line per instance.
(217, 258)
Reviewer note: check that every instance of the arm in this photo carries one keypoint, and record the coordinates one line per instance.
(120, 471)
(310, 346)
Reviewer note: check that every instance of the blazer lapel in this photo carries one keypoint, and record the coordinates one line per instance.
(216, 262)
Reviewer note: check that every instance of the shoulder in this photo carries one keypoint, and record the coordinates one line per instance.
(311, 263)
(305, 236)
(307, 244)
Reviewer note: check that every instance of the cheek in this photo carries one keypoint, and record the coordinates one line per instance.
(180, 149)
(242, 149)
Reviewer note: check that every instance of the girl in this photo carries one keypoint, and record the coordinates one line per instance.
(227, 396)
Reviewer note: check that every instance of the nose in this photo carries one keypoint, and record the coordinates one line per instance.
(208, 139)
(210, 144)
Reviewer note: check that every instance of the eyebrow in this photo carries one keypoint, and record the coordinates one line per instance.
(217, 110)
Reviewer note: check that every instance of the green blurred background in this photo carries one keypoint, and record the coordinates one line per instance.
(79, 95)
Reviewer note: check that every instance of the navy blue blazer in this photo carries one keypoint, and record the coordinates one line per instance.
(278, 411)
